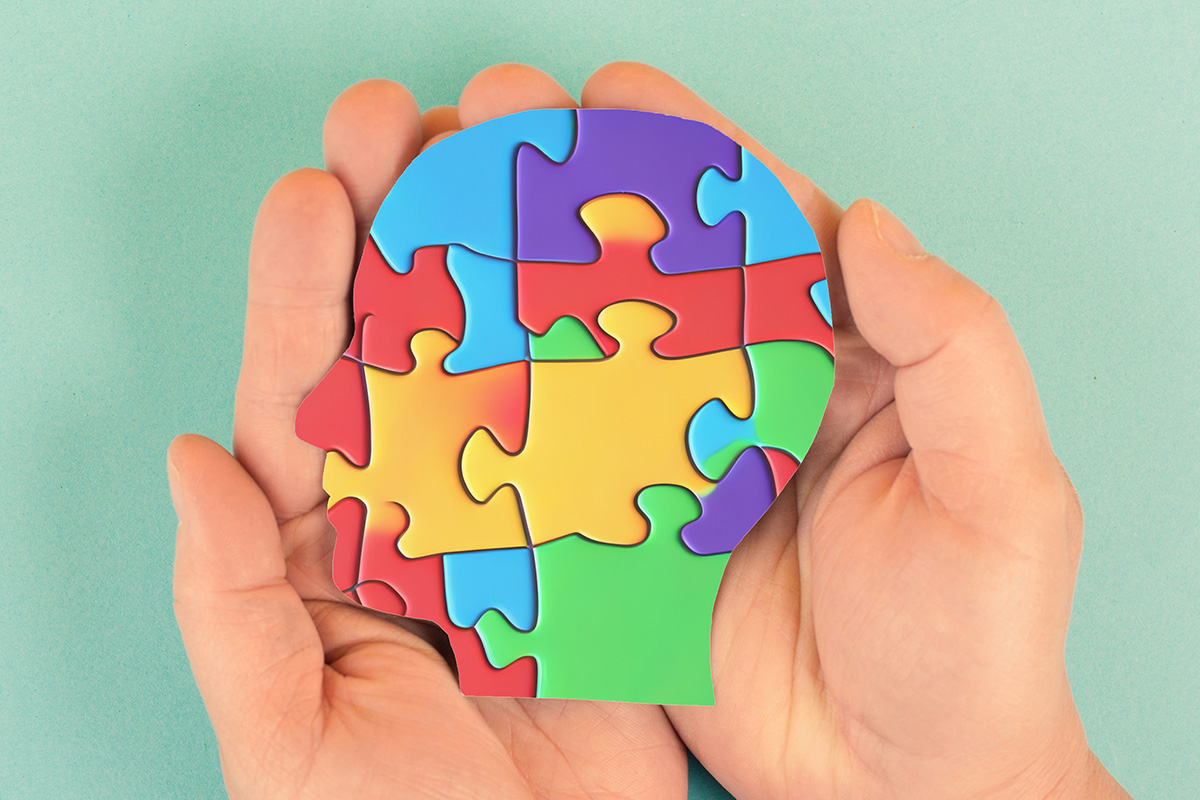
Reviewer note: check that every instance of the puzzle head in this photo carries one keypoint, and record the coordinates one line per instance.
(590, 348)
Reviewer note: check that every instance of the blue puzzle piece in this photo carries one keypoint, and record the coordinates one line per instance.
(501, 579)
(820, 297)
(775, 227)
(462, 189)
(491, 334)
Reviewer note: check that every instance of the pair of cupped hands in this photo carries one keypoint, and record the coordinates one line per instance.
(893, 627)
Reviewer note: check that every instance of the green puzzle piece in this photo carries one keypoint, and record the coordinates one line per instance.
(792, 383)
(568, 339)
(621, 623)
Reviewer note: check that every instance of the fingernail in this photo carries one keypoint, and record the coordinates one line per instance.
(892, 232)
(173, 482)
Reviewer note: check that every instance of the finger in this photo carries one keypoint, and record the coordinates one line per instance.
(372, 131)
(438, 120)
(964, 393)
(628, 84)
(297, 323)
(253, 648)
(437, 137)
(506, 89)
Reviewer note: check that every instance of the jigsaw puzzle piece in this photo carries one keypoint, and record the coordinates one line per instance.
(337, 417)
(654, 155)
(730, 510)
(820, 297)
(431, 413)
(499, 579)
(389, 307)
(775, 227)
(369, 567)
(792, 382)
(492, 335)
(568, 339)
(779, 305)
(621, 623)
(463, 188)
(783, 467)
(707, 306)
(628, 412)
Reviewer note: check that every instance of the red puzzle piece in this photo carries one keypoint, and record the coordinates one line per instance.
(783, 467)
(338, 416)
(368, 565)
(707, 305)
(396, 306)
(778, 306)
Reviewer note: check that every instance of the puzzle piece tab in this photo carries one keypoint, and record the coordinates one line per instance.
(654, 155)
(369, 567)
(621, 623)
(733, 506)
(600, 431)
(462, 188)
(792, 382)
(431, 413)
(499, 579)
(707, 305)
(775, 228)
(567, 340)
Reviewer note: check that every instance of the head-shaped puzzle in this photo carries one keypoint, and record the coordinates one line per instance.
(590, 348)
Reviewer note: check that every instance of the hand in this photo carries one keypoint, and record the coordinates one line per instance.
(311, 695)
(895, 625)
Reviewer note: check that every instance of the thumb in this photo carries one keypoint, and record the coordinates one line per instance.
(964, 393)
(253, 647)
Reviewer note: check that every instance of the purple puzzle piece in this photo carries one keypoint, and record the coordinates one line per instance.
(655, 155)
(733, 506)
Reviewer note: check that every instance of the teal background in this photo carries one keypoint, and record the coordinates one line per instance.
(1049, 150)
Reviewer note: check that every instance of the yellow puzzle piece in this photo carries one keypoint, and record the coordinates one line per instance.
(419, 421)
(601, 431)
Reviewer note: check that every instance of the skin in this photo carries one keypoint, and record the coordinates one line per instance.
(893, 627)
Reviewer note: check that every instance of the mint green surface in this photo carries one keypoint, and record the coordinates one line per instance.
(620, 623)
(568, 339)
(1048, 150)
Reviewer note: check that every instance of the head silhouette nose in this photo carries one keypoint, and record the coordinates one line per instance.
(335, 415)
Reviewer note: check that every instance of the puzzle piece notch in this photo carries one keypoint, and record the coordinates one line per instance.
(431, 412)
(568, 339)
(621, 623)
(775, 227)
(492, 335)
(617, 150)
(792, 383)
(779, 305)
(369, 567)
(734, 505)
(707, 306)
(503, 580)
(462, 189)
(628, 412)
